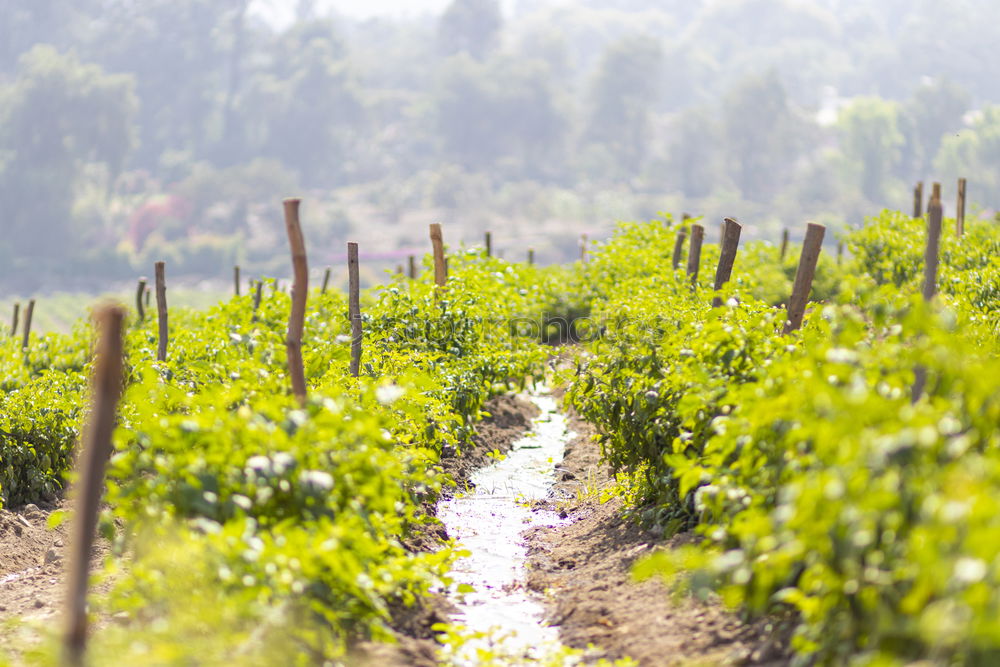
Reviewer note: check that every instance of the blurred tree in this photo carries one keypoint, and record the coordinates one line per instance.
(24, 23)
(218, 200)
(470, 26)
(623, 93)
(871, 140)
(57, 115)
(761, 136)
(303, 107)
(934, 110)
(974, 153)
(177, 51)
(693, 155)
(505, 108)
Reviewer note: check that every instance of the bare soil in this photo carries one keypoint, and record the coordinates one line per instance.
(32, 560)
(584, 571)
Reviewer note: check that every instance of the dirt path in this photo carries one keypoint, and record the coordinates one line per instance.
(584, 570)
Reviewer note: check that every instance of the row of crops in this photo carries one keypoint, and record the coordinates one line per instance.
(855, 504)
(857, 513)
(250, 527)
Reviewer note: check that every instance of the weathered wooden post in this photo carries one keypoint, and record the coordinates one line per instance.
(300, 292)
(679, 247)
(257, 294)
(440, 268)
(694, 254)
(354, 307)
(28, 315)
(14, 320)
(935, 214)
(811, 248)
(934, 217)
(918, 200)
(140, 294)
(412, 267)
(784, 243)
(727, 256)
(236, 280)
(960, 208)
(95, 450)
(489, 244)
(161, 309)
(531, 256)
(326, 280)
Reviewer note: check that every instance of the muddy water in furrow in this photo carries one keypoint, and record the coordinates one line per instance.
(488, 521)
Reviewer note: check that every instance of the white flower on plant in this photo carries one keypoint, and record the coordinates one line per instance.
(969, 570)
(316, 480)
(389, 394)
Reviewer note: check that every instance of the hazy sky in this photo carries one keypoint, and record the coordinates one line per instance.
(281, 11)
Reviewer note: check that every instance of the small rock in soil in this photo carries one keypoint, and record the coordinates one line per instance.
(51, 556)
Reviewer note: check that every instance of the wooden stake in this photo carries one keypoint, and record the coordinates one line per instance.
(918, 200)
(679, 247)
(13, 323)
(531, 256)
(960, 208)
(28, 315)
(256, 298)
(140, 294)
(694, 254)
(354, 307)
(934, 216)
(95, 450)
(811, 248)
(236, 279)
(784, 243)
(413, 267)
(300, 292)
(440, 269)
(727, 256)
(161, 309)
(326, 281)
(149, 297)
(489, 244)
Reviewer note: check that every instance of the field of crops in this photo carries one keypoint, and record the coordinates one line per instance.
(842, 479)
